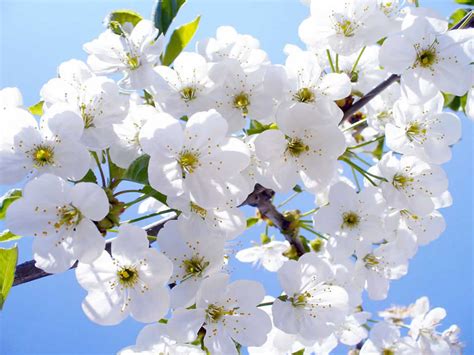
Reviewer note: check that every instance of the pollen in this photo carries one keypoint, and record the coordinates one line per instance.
(304, 95)
(296, 147)
(195, 208)
(69, 216)
(127, 276)
(188, 93)
(43, 155)
(214, 313)
(401, 181)
(242, 102)
(133, 62)
(87, 117)
(350, 220)
(188, 161)
(195, 266)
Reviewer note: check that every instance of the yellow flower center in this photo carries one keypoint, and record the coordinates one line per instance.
(69, 216)
(305, 95)
(87, 117)
(195, 266)
(414, 130)
(133, 62)
(127, 276)
(401, 181)
(350, 220)
(188, 94)
(346, 27)
(371, 260)
(296, 147)
(242, 102)
(214, 313)
(195, 208)
(300, 300)
(43, 155)
(188, 161)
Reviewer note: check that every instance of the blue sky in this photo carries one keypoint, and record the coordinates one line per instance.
(45, 317)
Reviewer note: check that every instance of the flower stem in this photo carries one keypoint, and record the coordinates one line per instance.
(330, 61)
(354, 125)
(356, 179)
(367, 143)
(102, 176)
(354, 67)
(126, 191)
(147, 216)
(337, 63)
(265, 304)
(288, 199)
(309, 212)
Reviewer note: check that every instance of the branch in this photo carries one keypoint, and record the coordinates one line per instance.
(466, 22)
(27, 271)
(261, 198)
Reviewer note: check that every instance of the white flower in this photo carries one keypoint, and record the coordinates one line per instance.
(10, 98)
(470, 104)
(451, 336)
(53, 147)
(196, 161)
(126, 148)
(184, 89)
(353, 330)
(380, 108)
(269, 255)
(304, 83)
(226, 221)
(376, 268)
(228, 313)
(131, 280)
(428, 60)
(230, 44)
(154, 339)
(345, 26)
(423, 130)
(95, 98)
(195, 256)
(425, 228)
(411, 183)
(385, 339)
(60, 217)
(134, 54)
(300, 148)
(354, 217)
(423, 327)
(312, 307)
(240, 94)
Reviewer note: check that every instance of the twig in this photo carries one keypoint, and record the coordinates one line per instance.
(261, 198)
(27, 271)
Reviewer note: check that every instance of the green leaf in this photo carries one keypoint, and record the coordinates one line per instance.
(465, 2)
(151, 192)
(378, 152)
(457, 16)
(117, 20)
(138, 170)
(297, 188)
(37, 109)
(299, 352)
(148, 98)
(7, 200)
(165, 12)
(257, 127)
(89, 177)
(179, 40)
(455, 104)
(7, 236)
(8, 260)
(252, 221)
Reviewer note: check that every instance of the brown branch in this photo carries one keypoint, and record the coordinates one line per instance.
(466, 22)
(27, 271)
(261, 198)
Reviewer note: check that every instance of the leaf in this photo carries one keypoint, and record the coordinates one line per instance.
(138, 170)
(297, 188)
(119, 18)
(7, 236)
(378, 152)
(8, 260)
(151, 192)
(257, 127)
(252, 221)
(455, 104)
(299, 352)
(465, 2)
(179, 40)
(165, 12)
(89, 177)
(457, 16)
(36, 109)
(7, 200)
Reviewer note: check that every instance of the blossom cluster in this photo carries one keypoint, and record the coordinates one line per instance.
(202, 133)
